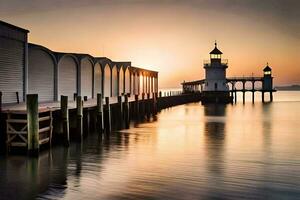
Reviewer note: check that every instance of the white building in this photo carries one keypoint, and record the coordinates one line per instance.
(215, 72)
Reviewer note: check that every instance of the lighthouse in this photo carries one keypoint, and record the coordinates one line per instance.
(215, 88)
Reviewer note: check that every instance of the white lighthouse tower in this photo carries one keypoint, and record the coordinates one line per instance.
(216, 89)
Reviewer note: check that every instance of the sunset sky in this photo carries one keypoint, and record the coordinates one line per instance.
(170, 36)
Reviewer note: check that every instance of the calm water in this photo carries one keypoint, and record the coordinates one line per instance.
(190, 152)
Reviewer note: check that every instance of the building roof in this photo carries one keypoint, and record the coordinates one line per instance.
(14, 27)
(267, 68)
(216, 50)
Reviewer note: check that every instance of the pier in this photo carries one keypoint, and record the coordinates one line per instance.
(218, 88)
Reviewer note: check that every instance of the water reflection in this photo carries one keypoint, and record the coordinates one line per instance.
(189, 152)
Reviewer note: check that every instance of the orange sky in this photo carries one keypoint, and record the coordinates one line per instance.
(173, 37)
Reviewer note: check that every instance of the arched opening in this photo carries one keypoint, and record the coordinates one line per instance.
(107, 79)
(115, 81)
(97, 79)
(121, 81)
(86, 78)
(127, 81)
(67, 77)
(41, 74)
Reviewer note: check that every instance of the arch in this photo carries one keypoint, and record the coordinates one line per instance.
(41, 73)
(97, 79)
(114, 81)
(121, 81)
(127, 80)
(67, 76)
(86, 77)
(107, 81)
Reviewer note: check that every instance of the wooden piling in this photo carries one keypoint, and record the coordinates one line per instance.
(126, 112)
(253, 91)
(107, 116)
(65, 119)
(271, 96)
(263, 96)
(235, 95)
(142, 106)
(244, 92)
(148, 105)
(120, 112)
(32, 124)
(136, 107)
(79, 113)
(99, 113)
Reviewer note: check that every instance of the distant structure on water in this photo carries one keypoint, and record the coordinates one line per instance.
(215, 88)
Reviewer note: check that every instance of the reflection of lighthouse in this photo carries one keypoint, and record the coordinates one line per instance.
(215, 88)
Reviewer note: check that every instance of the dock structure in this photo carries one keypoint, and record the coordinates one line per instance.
(217, 88)
(49, 97)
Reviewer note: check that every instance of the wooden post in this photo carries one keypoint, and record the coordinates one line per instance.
(244, 92)
(154, 104)
(148, 105)
(137, 108)
(18, 99)
(253, 87)
(32, 124)
(271, 96)
(107, 116)
(99, 113)
(235, 95)
(263, 96)
(126, 112)
(79, 106)
(120, 112)
(65, 119)
(142, 105)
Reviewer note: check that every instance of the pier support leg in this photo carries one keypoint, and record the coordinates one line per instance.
(142, 107)
(271, 96)
(253, 90)
(99, 114)
(253, 97)
(148, 105)
(65, 119)
(126, 112)
(137, 108)
(79, 124)
(107, 116)
(120, 112)
(244, 92)
(32, 124)
(263, 97)
(235, 96)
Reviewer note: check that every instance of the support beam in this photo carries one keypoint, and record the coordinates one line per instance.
(65, 119)
(79, 113)
(263, 96)
(107, 116)
(126, 112)
(271, 96)
(32, 124)
(244, 92)
(253, 91)
(99, 114)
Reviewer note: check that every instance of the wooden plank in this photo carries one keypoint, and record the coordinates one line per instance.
(20, 121)
(43, 141)
(16, 132)
(41, 119)
(42, 130)
(18, 144)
